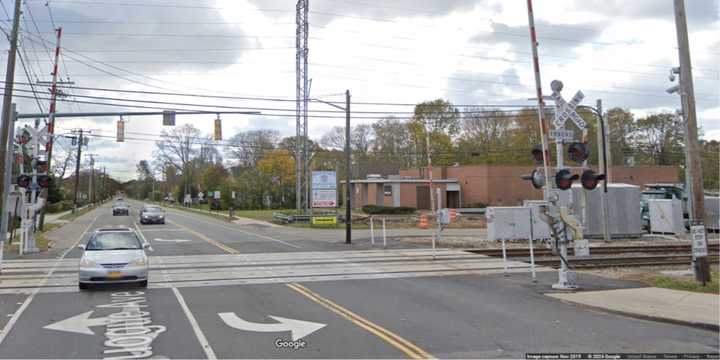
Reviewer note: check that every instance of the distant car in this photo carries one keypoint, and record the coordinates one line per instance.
(151, 214)
(113, 255)
(121, 208)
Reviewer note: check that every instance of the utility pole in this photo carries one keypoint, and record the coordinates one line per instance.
(429, 168)
(91, 182)
(348, 172)
(103, 194)
(8, 111)
(77, 168)
(603, 166)
(697, 215)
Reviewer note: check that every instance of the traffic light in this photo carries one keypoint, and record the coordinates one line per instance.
(23, 181)
(537, 154)
(578, 152)
(564, 179)
(44, 181)
(589, 179)
(537, 179)
(120, 135)
(218, 129)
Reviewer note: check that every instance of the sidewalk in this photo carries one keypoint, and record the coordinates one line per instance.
(676, 306)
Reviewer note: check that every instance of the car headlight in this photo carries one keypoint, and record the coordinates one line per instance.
(139, 262)
(86, 263)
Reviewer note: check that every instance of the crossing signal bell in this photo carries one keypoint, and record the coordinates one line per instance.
(590, 180)
(537, 179)
(578, 152)
(44, 181)
(564, 179)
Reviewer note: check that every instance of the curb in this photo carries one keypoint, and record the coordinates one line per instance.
(702, 326)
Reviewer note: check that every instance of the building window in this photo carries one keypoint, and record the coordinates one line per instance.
(387, 190)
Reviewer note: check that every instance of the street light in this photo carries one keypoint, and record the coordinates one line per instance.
(348, 174)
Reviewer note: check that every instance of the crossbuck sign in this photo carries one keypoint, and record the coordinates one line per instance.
(566, 110)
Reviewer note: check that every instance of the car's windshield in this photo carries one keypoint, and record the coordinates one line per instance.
(152, 209)
(114, 241)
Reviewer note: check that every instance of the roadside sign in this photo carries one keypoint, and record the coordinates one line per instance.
(562, 134)
(233, 195)
(699, 242)
(323, 220)
(201, 195)
(324, 189)
(216, 193)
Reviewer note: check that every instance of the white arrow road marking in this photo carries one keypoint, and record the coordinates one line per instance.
(80, 324)
(172, 240)
(298, 328)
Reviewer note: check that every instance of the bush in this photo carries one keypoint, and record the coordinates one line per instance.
(59, 206)
(387, 210)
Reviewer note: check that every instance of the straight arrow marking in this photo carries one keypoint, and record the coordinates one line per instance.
(298, 328)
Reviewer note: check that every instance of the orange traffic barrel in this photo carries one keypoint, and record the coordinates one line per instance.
(423, 224)
(453, 215)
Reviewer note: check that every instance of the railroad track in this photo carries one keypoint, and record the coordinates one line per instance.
(611, 256)
(601, 250)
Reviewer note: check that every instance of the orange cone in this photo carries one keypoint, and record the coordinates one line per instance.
(423, 224)
(453, 215)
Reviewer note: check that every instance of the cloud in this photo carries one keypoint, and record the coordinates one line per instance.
(698, 11)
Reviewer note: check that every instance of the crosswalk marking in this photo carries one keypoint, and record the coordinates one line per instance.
(230, 269)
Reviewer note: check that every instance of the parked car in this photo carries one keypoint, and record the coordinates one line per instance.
(113, 255)
(121, 208)
(151, 214)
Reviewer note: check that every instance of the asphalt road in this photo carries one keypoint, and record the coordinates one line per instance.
(221, 290)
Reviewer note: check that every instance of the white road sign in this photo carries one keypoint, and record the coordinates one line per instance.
(566, 110)
(699, 242)
(562, 134)
(299, 329)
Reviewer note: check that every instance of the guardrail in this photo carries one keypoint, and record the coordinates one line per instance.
(291, 218)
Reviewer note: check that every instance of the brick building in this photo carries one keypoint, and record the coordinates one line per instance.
(475, 185)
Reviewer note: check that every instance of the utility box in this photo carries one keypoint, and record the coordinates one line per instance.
(540, 229)
(624, 212)
(712, 213)
(508, 223)
(666, 216)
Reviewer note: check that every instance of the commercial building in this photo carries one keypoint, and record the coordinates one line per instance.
(478, 185)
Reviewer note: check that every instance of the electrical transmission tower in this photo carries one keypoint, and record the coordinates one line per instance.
(301, 92)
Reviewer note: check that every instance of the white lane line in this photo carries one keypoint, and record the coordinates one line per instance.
(242, 231)
(162, 230)
(142, 235)
(26, 303)
(193, 323)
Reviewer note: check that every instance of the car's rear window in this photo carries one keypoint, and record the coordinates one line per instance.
(114, 241)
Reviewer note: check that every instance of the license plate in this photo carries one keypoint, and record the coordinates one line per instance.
(114, 274)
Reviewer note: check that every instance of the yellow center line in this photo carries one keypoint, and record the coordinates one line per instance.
(412, 350)
(205, 238)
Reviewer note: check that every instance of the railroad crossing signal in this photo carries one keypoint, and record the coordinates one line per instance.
(590, 180)
(578, 152)
(566, 110)
(564, 179)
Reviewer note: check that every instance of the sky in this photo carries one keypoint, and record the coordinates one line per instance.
(392, 51)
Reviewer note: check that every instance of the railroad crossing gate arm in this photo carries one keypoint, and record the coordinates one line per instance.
(571, 222)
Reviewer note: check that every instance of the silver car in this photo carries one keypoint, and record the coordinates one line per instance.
(152, 215)
(113, 255)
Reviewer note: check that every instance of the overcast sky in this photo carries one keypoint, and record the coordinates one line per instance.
(396, 51)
